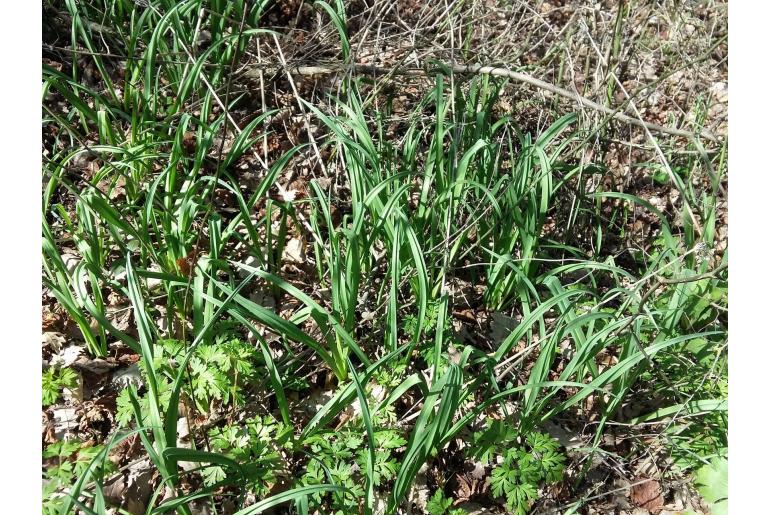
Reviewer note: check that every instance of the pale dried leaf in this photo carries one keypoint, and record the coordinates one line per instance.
(53, 340)
(67, 356)
(65, 422)
(70, 261)
(294, 251)
(567, 438)
(289, 195)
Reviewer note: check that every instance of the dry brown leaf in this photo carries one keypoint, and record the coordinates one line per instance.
(189, 142)
(52, 320)
(96, 366)
(648, 495)
(49, 433)
(132, 490)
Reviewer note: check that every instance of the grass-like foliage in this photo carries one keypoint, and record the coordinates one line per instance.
(139, 155)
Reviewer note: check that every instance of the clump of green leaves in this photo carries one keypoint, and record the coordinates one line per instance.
(219, 373)
(390, 377)
(492, 440)
(125, 411)
(70, 459)
(429, 320)
(439, 504)
(254, 443)
(54, 381)
(220, 370)
(340, 458)
(527, 463)
(697, 370)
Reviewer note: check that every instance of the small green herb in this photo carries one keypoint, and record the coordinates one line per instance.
(340, 458)
(54, 381)
(254, 443)
(527, 464)
(70, 458)
(439, 504)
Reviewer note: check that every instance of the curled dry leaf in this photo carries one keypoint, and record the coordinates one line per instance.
(95, 419)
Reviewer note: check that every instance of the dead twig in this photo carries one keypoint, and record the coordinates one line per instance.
(497, 72)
